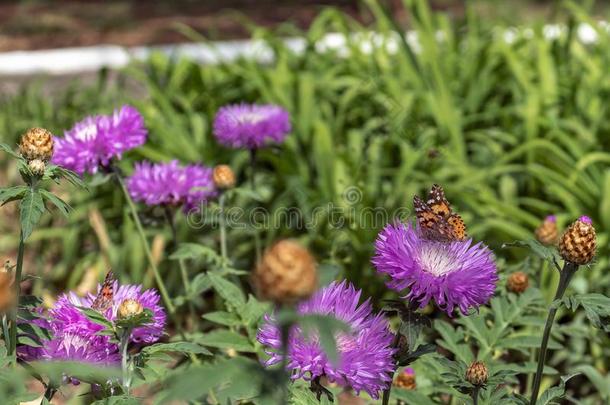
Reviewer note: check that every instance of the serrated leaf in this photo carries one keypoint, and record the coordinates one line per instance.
(547, 253)
(225, 339)
(96, 317)
(232, 294)
(553, 394)
(12, 194)
(6, 148)
(223, 318)
(63, 206)
(31, 209)
(179, 347)
(596, 306)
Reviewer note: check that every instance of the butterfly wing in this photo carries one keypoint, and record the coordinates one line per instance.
(435, 218)
(458, 227)
(438, 202)
(103, 300)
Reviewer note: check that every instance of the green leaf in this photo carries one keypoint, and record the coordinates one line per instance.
(12, 194)
(223, 318)
(554, 394)
(63, 206)
(232, 294)
(596, 306)
(6, 148)
(31, 208)
(180, 347)
(225, 339)
(195, 251)
(118, 400)
(547, 253)
(96, 317)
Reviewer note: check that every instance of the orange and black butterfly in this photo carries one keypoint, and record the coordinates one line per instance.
(104, 297)
(435, 218)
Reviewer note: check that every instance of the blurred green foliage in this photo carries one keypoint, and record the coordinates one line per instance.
(514, 131)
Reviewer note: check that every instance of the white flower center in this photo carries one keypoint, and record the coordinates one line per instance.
(251, 117)
(437, 259)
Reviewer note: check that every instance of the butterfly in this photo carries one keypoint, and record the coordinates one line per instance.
(104, 297)
(435, 218)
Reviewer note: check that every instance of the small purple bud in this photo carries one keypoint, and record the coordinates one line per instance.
(551, 218)
(585, 219)
(409, 371)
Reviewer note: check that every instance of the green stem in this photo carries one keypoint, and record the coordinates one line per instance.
(386, 394)
(151, 260)
(169, 215)
(50, 392)
(12, 352)
(566, 275)
(257, 239)
(223, 228)
(475, 395)
(125, 360)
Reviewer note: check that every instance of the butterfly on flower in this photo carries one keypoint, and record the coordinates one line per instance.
(435, 218)
(104, 297)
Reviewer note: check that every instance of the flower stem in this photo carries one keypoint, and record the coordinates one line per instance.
(151, 260)
(50, 392)
(386, 393)
(257, 240)
(475, 395)
(223, 228)
(125, 360)
(12, 352)
(566, 275)
(169, 216)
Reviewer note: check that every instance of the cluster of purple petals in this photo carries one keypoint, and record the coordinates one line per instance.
(94, 141)
(251, 126)
(76, 338)
(365, 354)
(455, 274)
(171, 184)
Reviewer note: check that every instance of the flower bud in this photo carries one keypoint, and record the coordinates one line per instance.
(287, 273)
(578, 242)
(517, 282)
(37, 166)
(36, 143)
(406, 379)
(477, 373)
(223, 176)
(129, 307)
(547, 233)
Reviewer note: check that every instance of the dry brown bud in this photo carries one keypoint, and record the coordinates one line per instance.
(547, 232)
(223, 176)
(36, 143)
(517, 282)
(578, 242)
(477, 373)
(406, 380)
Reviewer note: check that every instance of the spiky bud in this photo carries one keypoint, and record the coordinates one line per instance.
(477, 373)
(7, 294)
(517, 282)
(406, 379)
(287, 273)
(36, 143)
(547, 232)
(37, 166)
(578, 242)
(129, 307)
(223, 176)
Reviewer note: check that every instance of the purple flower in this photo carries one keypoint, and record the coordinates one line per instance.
(94, 141)
(251, 126)
(454, 274)
(171, 184)
(75, 337)
(365, 353)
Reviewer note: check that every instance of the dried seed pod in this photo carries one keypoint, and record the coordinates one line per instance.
(406, 379)
(517, 282)
(129, 307)
(578, 242)
(36, 143)
(547, 232)
(224, 177)
(477, 373)
(287, 273)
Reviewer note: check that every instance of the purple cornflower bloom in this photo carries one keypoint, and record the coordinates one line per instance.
(251, 126)
(455, 274)
(75, 337)
(171, 184)
(365, 353)
(94, 141)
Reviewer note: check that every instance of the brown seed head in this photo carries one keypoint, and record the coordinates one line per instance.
(477, 373)
(578, 242)
(547, 232)
(406, 380)
(129, 307)
(36, 143)
(287, 273)
(517, 282)
(223, 176)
